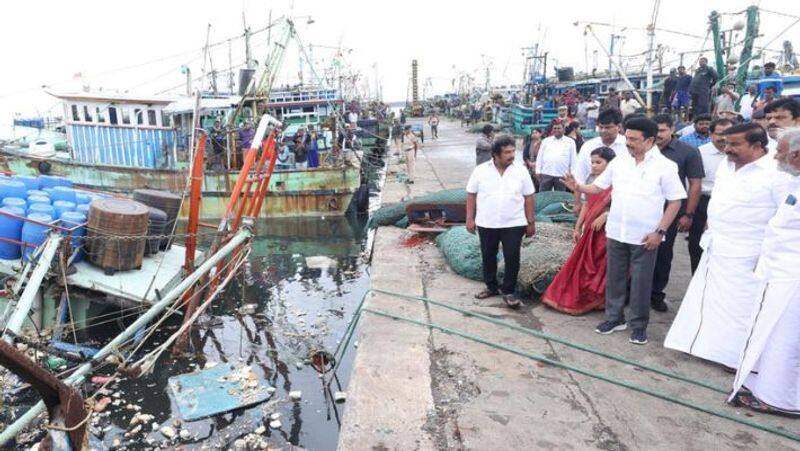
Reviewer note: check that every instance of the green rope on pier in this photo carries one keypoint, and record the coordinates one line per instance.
(554, 338)
(592, 374)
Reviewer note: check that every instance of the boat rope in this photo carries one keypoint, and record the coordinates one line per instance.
(595, 375)
(556, 339)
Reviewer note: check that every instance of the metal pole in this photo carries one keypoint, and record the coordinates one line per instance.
(25, 302)
(618, 67)
(156, 309)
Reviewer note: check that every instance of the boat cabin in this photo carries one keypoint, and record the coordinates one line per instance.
(119, 130)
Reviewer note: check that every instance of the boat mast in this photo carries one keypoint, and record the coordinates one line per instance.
(651, 36)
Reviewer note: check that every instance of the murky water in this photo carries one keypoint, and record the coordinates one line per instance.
(305, 278)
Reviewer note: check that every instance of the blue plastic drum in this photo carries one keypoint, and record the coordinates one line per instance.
(12, 188)
(83, 208)
(69, 220)
(63, 193)
(29, 181)
(62, 206)
(49, 181)
(11, 228)
(37, 192)
(82, 198)
(38, 200)
(34, 234)
(42, 208)
(15, 202)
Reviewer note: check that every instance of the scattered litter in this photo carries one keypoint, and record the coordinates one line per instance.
(275, 416)
(270, 390)
(216, 390)
(275, 424)
(295, 395)
(102, 404)
(168, 432)
(100, 380)
(248, 309)
(184, 434)
(299, 365)
(339, 397)
(240, 444)
(320, 262)
(261, 430)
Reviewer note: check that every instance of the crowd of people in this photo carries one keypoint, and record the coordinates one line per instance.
(729, 179)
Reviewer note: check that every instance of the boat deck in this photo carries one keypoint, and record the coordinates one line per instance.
(159, 273)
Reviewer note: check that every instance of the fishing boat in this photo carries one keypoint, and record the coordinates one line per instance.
(50, 293)
(121, 143)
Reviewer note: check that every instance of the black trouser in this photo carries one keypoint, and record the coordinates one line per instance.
(511, 237)
(664, 261)
(435, 131)
(623, 261)
(551, 183)
(700, 102)
(696, 231)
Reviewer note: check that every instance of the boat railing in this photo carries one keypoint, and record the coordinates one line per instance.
(56, 225)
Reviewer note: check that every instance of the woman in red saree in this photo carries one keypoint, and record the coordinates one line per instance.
(580, 285)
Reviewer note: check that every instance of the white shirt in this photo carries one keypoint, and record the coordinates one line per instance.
(593, 113)
(557, 156)
(772, 147)
(742, 202)
(780, 251)
(712, 157)
(746, 106)
(583, 167)
(629, 106)
(500, 201)
(639, 193)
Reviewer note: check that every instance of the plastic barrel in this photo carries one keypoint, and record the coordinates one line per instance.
(38, 199)
(29, 181)
(12, 188)
(83, 208)
(11, 228)
(50, 181)
(42, 208)
(37, 192)
(70, 219)
(15, 202)
(48, 191)
(63, 193)
(62, 206)
(82, 198)
(34, 233)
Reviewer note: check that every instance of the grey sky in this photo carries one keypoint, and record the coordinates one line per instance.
(48, 42)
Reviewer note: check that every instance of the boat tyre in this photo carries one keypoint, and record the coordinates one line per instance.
(45, 167)
(333, 204)
(362, 198)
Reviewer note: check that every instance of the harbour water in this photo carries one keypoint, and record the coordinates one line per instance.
(301, 285)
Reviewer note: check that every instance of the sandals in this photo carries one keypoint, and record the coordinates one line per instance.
(487, 293)
(747, 399)
(511, 301)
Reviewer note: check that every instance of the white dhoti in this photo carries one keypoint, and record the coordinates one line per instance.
(773, 347)
(714, 317)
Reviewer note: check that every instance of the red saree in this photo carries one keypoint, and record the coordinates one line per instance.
(580, 286)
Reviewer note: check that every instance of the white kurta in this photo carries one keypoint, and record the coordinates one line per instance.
(773, 338)
(714, 316)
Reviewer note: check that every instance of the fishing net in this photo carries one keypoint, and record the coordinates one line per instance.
(541, 256)
(551, 206)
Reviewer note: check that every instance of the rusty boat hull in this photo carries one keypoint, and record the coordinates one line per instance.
(323, 191)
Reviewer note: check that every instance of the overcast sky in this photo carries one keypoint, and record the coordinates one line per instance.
(49, 42)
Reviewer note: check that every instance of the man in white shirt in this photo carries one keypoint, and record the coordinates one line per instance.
(782, 114)
(746, 103)
(500, 206)
(715, 313)
(643, 181)
(592, 112)
(410, 147)
(557, 157)
(712, 154)
(774, 332)
(629, 104)
(609, 122)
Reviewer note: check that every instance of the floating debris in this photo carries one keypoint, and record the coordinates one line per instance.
(168, 432)
(295, 395)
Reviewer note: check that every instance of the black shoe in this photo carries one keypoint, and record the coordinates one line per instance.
(638, 336)
(659, 305)
(609, 327)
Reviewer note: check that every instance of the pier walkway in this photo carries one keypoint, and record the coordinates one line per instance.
(413, 388)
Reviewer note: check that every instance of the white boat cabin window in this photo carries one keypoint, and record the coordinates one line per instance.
(164, 119)
(126, 116)
(100, 116)
(151, 117)
(87, 117)
(76, 116)
(112, 115)
(137, 113)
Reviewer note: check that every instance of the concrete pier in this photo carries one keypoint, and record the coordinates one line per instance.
(417, 389)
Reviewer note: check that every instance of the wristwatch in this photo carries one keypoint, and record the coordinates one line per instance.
(661, 232)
